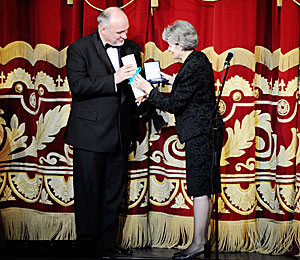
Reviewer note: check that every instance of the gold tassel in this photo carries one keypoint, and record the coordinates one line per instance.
(154, 3)
(279, 3)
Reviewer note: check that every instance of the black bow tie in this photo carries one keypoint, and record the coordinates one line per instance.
(107, 45)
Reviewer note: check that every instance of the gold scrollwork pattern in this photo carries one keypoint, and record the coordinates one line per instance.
(3, 177)
(183, 188)
(162, 192)
(266, 195)
(136, 191)
(239, 200)
(16, 144)
(286, 196)
(26, 188)
(60, 190)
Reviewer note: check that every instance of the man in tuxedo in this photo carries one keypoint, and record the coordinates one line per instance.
(100, 126)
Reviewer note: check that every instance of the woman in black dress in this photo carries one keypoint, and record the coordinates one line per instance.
(193, 102)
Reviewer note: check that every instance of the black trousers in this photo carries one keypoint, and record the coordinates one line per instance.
(99, 187)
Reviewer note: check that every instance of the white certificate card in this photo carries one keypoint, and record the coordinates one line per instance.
(130, 59)
(152, 71)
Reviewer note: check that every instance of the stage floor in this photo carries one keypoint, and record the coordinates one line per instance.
(59, 250)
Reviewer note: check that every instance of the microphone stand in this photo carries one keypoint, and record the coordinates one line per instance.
(216, 157)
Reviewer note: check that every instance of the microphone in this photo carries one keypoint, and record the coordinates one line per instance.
(229, 57)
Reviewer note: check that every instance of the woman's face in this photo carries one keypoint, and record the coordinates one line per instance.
(176, 50)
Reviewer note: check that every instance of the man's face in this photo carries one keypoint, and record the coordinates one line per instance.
(115, 32)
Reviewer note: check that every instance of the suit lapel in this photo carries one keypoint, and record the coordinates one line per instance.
(181, 70)
(123, 51)
(102, 53)
(106, 61)
(121, 86)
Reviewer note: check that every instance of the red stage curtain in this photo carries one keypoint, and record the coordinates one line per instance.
(259, 207)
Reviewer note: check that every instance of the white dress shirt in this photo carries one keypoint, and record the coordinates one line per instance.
(113, 55)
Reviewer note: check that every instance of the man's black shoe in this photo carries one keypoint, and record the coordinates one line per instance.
(117, 251)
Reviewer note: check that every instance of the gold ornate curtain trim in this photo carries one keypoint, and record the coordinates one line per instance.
(296, 2)
(41, 52)
(243, 57)
(101, 10)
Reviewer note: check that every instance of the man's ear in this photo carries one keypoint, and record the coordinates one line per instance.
(102, 29)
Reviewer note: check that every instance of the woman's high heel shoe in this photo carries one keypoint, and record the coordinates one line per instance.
(206, 251)
(181, 255)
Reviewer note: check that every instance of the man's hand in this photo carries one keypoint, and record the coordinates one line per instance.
(125, 72)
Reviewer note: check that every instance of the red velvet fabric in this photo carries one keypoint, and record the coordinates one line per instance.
(266, 38)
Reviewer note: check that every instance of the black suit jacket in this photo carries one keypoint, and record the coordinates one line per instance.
(100, 117)
(192, 98)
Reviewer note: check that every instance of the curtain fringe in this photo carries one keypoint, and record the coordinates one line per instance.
(276, 237)
(261, 235)
(166, 231)
(157, 230)
(238, 236)
(133, 231)
(28, 224)
(296, 230)
(170, 231)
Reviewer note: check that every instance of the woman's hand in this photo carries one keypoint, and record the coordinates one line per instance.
(140, 100)
(142, 84)
(167, 77)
